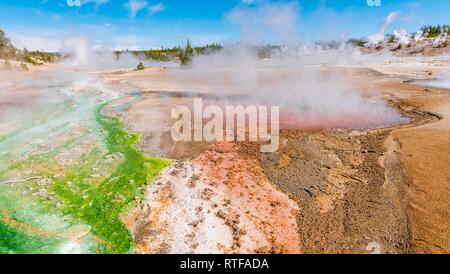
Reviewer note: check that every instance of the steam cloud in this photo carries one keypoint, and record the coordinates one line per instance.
(80, 55)
(297, 77)
(311, 95)
(380, 35)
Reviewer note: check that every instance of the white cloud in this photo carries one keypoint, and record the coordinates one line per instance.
(247, 2)
(156, 8)
(79, 3)
(131, 42)
(203, 39)
(30, 42)
(135, 6)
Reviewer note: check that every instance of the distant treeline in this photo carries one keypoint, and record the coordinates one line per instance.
(428, 32)
(175, 53)
(185, 55)
(435, 31)
(9, 52)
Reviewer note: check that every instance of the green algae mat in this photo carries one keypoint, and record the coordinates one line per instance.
(76, 207)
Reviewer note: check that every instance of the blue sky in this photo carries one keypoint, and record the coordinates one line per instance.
(44, 24)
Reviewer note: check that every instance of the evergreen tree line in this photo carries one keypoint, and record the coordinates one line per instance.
(9, 52)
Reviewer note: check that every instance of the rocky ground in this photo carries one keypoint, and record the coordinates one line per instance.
(220, 202)
(349, 191)
(382, 190)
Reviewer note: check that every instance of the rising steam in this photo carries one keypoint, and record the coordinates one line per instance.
(80, 54)
(294, 77)
(309, 94)
(380, 35)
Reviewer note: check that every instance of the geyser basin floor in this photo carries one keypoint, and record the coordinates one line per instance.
(67, 193)
(220, 202)
(324, 191)
(348, 184)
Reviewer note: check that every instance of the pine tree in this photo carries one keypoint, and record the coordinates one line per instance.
(189, 49)
(186, 54)
(140, 66)
(6, 48)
